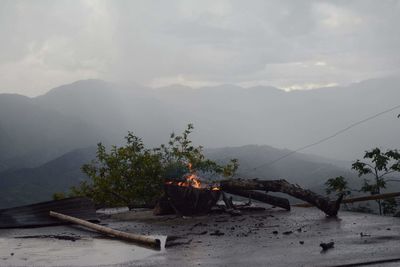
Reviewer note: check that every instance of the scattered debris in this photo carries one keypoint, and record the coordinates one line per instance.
(287, 233)
(364, 235)
(217, 233)
(59, 237)
(169, 243)
(326, 246)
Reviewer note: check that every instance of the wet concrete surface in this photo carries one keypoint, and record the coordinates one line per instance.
(264, 238)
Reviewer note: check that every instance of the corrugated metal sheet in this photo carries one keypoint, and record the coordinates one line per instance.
(37, 215)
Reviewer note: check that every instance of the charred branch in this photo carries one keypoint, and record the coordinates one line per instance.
(262, 197)
(330, 208)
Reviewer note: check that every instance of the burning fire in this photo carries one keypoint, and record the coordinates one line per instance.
(193, 180)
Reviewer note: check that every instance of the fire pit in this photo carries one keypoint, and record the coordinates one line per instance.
(190, 196)
(189, 200)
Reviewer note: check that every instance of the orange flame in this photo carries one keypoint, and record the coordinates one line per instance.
(193, 180)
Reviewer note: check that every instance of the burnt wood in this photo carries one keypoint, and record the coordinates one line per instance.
(262, 197)
(329, 207)
(188, 200)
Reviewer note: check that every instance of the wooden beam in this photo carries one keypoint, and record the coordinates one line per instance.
(140, 239)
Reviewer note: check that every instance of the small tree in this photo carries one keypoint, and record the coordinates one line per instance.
(389, 206)
(337, 185)
(133, 175)
(378, 164)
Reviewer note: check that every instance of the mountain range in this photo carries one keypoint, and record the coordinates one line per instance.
(53, 129)
(29, 185)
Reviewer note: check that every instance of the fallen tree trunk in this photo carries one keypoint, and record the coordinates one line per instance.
(262, 197)
(359, 199)
(330, 208)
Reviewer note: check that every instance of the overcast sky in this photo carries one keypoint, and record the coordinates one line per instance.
(287, 44)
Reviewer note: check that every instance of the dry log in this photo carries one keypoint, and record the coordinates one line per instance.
(359, 199)
(262, 197)
(140, 239)
(330, 208)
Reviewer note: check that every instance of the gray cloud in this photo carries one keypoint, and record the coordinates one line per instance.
(289, 44)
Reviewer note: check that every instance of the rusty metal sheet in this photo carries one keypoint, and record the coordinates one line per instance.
(37, 215)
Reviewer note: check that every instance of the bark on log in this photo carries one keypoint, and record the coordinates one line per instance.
(330, 208)
(140, 239)
(358, 199)
(262, 197)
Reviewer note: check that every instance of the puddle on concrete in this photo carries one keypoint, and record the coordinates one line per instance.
(83, 252)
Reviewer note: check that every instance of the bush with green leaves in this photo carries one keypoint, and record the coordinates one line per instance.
(378, 165)
(133, 175)
(389, 206)
(337, 185)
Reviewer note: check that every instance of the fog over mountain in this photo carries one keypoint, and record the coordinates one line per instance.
(259, 80)
(233, 116)
(35, 130)
(29, 185)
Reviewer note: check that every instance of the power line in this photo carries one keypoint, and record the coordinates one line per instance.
(327, 138)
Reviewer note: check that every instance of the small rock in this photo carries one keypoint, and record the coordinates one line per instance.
(301, 242)
(287, 233)
(275, 232)
(217, 233)
(326, 246)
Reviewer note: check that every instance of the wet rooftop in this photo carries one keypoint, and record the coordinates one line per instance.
(258, 238)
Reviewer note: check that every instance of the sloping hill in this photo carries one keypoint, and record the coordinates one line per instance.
(229, 115)
(306, 170)
(31, 135)
(29, 185)
(25, 186)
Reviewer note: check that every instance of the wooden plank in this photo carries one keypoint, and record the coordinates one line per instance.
(140, 239)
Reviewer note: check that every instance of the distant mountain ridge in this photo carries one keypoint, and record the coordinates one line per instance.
(29, 185)
(31, 135)
(229, 115)
(34, 131)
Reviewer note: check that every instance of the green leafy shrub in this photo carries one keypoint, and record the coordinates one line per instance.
(378, 164)
(134, 175)
(337, 185)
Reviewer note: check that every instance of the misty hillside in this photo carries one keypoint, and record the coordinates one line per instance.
(306, 170)
(36, 130)
(30, 185)
(31, 135)
(233, 116)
